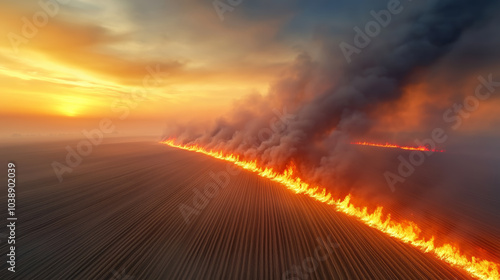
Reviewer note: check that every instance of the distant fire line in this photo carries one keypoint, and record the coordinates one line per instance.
(406, 231)
(394, 146)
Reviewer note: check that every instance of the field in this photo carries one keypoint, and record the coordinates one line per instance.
(118, 216)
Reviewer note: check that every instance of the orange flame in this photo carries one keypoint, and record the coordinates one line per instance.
(406, 231)
(387, 145)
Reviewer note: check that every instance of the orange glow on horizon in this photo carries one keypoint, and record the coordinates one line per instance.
(406, 231)
(394, 146)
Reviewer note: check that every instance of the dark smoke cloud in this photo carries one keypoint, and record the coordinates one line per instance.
(430, 37)
(312, 112)
(323, 114)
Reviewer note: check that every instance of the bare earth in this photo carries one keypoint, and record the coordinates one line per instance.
(117, 216)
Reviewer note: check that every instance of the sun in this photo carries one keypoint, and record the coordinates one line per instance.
(72, 106)
(70, 110)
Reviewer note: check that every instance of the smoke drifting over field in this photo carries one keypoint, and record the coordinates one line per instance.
(318, 106)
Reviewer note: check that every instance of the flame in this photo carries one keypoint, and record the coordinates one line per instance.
(387, 145)
(406, 231)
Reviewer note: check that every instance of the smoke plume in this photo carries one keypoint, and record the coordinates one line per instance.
(309, 117)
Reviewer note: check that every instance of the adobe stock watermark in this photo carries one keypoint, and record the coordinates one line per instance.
(39, 19)
(201, 198)
(310, 264)
(454, 116)
(131, 100)
(120, 275)
(123, 105)
(363, 38)
(277, 124)
(84, 147)
(223, 6)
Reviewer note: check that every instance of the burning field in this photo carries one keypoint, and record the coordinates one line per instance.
(250, 139)
(308, 145)
(406, 231)
(114, 220)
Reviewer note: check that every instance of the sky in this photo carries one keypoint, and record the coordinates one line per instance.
(66, 64)
(274, 81)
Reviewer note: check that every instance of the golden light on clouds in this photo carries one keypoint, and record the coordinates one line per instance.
(78, 65)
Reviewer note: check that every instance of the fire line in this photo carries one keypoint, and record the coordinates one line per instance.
(406, 231)
(394, 146)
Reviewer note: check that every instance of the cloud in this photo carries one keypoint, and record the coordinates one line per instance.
(329, 109)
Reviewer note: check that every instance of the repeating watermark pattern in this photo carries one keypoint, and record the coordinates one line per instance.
(74, 157)
(202, 198)
(123, 105)
(454, 116)
(363, 38)
(223, 6)
(131, 100)
(310, 264)
(120, 275)
(277, 124)
(39, 19)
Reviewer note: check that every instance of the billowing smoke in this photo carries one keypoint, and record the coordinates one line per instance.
(309, 116)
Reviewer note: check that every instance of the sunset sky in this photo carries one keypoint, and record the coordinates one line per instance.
(125, 124)
(90, 56)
